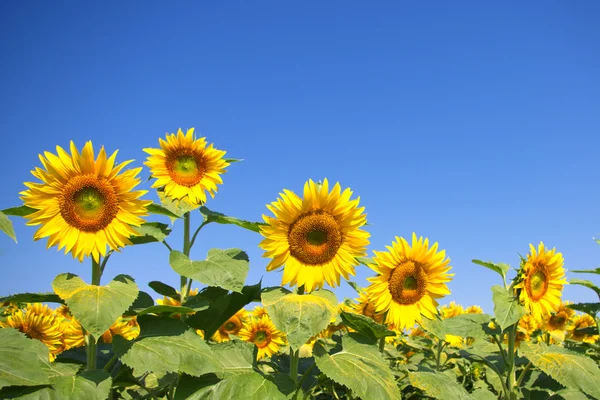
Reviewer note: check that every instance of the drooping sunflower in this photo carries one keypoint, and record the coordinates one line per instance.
(231, 327)
(316, 238)
(542, 277)
(84, 204)
(126, 327)
(364, 305)
(264, 335)
(186, 168)
(38, 321)
(410, 280)
(558, 320)
(580, 322)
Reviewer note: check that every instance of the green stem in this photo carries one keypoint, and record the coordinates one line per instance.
(294, 359)
(147, 389)
(511, 377)
(304, 376)
(438, 357)
(381, 344)
(109, 365)
(523, 373)
(196, 233)
(186, 251)
(91, 349)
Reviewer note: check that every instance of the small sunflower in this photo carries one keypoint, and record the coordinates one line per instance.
(410, 280)
(264, 335)
(558, 320)
(8, 308)
(38, 321)
(526, 327)
(186, 168)
(451, 310)
(125, 327)
(542, 277)
(169, 301)
(231, 327)
(366, 307)
(85, 205)
(474, 310)
(73, 335)
(259, 311)
(580, 322)
(316, 238)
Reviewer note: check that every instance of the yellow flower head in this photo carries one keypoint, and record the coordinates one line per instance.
(417, 331)
(259, 311)
(38, 321)
(84, 204)
(317, 238)
(169, 301)
(366, 307)
(543, 277)
(558, 320)
(264, 335)
(526, 327)
(580, 322)
(186, 167)
(410, 280)
(231, 327)
(451, 310)
(474, 310)
(8, 308)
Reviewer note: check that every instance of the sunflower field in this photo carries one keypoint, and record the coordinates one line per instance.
(217, 336)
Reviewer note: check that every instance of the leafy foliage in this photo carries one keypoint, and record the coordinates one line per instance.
(500, 268)
(438, 385)
(366, 326)
(32, 298)
(6, 226)
(507, 310)
(150, 232)
(219, 218)
(21, 360)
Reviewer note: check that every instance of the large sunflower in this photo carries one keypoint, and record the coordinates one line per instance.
(542, 277)
(317, 238)
(264, 335)
(186, 167)
(410, 280)
(84, 204)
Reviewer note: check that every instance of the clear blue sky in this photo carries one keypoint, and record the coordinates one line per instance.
(472, 123)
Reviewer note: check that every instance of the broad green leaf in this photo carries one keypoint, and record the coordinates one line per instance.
(438, 385)
(6, 226)
(177, 207)
(234, 357)
(20, 363)
(467, 325)
(299, 316)
(150, 232)
(143, 300)
(21, 211)
(78, 356)
(570, 394)
(223, 306)
(500, 268)
(164, 289)
(507, 310)
(96, 307)
(195, 388)
(89, 385)
(586, 283)
(219, 218)
(366, 326)
(187, 353)
(222, 268)
(158, 209)
(570, 369)
(358, 366)
(434, 326)
(251, 385)
(586, 271)
(483, 394)
(32, 298)
(154, 325)
(588, 308)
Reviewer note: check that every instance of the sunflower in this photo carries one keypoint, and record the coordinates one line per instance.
(84, 204)
(317, 238)
(259, 311)
(526, 327)
(73, 335)
(560, 318)
(38, 321)
(231, 327)
(410, 280)
(580, 322)
(474, 310)
(186, 168)
(366, 307)
(169, 301)
(541, 281)
(125, 327)
(8, 308)
(264, 335)
(451, 310)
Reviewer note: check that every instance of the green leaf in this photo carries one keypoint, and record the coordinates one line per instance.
(355, 286)
(251, 385)
(21, 211)
(32, 298)
(150, 232)
(586, 283)
(143, 300)
(160, 309)
(222, 268)
(467, 325)
(299, 316)
(233, 160)
(187, 353)
(96, 307)
(483, 394)
(438, 385)
(586, 271)
(358, 366)
(500, 268)
(92, 385)
(6, 226)
(434, 326)
(507, 309)
(366, 326)
(219, 218)
(366, 261)
(158, 209)
(195, 388)
(588, 308)
(164, 289)
(570, 394)
(20, 362)
(154, 325)
(222, 307)
(570, 369)
(234, 357)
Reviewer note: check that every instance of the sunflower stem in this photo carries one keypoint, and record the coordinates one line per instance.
(186, 251)
(91, 349)
(438, 356)
(523, 373)
(511, 378)
(381, 344)
(294, 359)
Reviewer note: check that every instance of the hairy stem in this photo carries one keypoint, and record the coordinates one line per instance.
(294, 359)
(91, 349)
(511, 377)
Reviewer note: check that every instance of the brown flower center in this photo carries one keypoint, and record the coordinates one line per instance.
(314, 238)
(407, 283)
(262, 338)
(558, 321)
(536, 283)
(186, 168)
(88, 203)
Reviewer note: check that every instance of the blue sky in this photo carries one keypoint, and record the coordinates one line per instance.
(474, 124)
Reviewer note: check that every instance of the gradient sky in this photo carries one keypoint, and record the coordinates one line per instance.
(472, 123)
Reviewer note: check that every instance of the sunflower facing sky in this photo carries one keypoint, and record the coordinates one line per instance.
(186, 167)
(264, 335)
(84, 204)
(316, 238)
(410, 280)
(542, 277)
